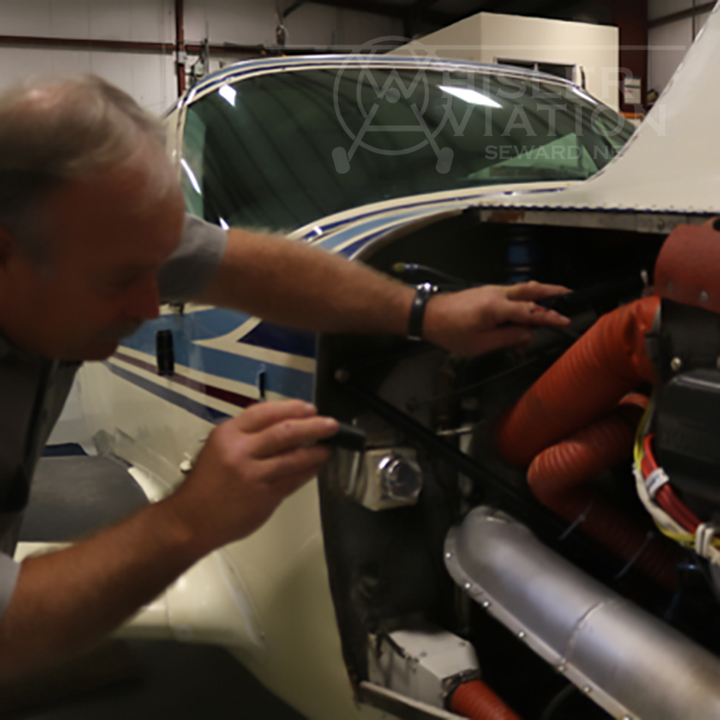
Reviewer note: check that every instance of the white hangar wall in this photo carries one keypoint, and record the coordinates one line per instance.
(149, 76)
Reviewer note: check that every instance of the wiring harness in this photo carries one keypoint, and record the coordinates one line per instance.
(671, 515)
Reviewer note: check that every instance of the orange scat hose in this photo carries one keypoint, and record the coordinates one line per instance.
(585, 384)
(559, 477)
(587, 452)
(477, 701)
(570, 426)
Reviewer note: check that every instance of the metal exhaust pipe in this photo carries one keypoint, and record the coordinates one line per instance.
(632, 664)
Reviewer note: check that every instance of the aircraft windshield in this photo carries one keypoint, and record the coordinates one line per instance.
(281, 150)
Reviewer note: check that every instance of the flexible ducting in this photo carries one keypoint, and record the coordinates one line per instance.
(475, 700)
(559, 478)
(584, 385)
(569, 426)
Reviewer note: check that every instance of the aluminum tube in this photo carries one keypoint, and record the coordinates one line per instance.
(631, 663)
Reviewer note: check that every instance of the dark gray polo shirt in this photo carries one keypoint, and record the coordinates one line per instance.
(34, 389)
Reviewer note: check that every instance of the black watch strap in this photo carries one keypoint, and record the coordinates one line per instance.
(417, 311)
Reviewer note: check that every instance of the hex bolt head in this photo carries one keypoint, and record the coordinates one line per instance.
(676, 364)
(401, 478)
(521, 635)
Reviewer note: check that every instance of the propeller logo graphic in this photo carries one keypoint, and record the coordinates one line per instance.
(372, 98)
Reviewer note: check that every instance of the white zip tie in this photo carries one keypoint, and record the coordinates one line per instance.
(661, 518)
(655, 480)
(704, 540)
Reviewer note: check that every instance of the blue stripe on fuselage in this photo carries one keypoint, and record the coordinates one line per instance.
(276, 337)
(197, 326)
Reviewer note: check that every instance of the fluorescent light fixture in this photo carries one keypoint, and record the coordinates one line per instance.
(223, 224)
(468, 95)
(229, 93)
(191, 176)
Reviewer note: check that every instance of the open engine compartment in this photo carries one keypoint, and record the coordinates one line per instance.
(430, 420)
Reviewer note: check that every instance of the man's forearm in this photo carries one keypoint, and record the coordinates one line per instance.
(289, 283)
(293, 284)
(66, 601)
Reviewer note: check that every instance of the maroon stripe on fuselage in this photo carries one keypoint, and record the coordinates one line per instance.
(210, 390)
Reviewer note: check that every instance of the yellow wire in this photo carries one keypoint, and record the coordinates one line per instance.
(687, 539)
(639, 452)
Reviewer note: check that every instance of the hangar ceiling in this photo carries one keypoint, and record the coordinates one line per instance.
(420, 16)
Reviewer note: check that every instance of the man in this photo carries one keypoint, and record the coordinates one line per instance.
(91, 217)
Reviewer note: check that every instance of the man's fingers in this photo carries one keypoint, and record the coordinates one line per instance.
(263, 415)
(300, 462)
(535, 291)
(289, 434)
(528, 313)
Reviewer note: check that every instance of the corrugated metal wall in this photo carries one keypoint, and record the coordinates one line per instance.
(669, 39)
(149, 74)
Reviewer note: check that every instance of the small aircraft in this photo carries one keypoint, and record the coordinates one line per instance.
(423, 575)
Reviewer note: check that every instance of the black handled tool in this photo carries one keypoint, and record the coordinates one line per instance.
(348, 437)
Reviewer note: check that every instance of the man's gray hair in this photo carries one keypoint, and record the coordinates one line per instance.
(57, 131)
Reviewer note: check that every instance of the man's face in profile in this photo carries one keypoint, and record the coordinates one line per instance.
(110, 234)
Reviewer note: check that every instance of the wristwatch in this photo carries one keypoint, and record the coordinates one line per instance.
(417, 312)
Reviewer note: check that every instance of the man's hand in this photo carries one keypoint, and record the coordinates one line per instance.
(473, 321)
(67, 600)
(248, 466)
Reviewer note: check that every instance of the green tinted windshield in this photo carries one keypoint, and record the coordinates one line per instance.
(281, 150)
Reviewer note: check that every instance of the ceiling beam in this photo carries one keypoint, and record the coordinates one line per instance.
(400, 12)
